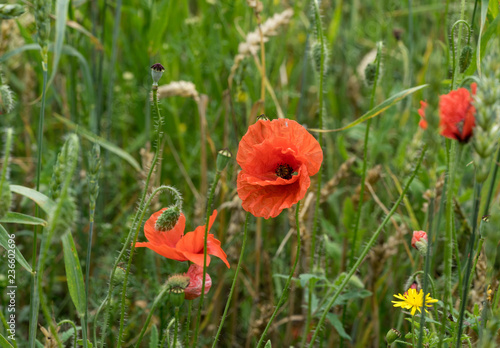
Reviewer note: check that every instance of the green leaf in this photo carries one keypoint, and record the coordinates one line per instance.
(18, 218)
(43, 201)
(4, 343)
(4, 241)
(484, 12)
(102, 142)
(61, 14)
(377, 110)
(305, 278)
(334, 320)
(74, 275)
(153, 341)
(268, 344)
(492, 31)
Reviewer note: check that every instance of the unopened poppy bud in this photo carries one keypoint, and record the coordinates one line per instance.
(370, 72)
(119, 276)
(168, 219)
(465, 58)
(156, 72)
(356, 282)
(223, 157)
(419, 236)
(392, 335)
(316, 56)
(195, 274)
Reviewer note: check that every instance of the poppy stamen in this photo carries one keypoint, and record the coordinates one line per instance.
(284, 171)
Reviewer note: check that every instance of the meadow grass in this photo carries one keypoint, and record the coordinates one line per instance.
(90, 145)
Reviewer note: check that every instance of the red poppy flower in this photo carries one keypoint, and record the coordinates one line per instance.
(176, 245)
(195, 274)
(277, 158)
(456, 112)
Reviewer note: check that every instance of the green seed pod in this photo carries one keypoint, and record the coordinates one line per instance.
(176, 296)
(465, 58)
(223, 157)
(168, 219)
(156, 73)
(392, 335)
(176, 285)
(10, 11)
(370, 73)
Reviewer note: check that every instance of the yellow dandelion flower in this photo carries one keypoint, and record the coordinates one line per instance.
(413, 300)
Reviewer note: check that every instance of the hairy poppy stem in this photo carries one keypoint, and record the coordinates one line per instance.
(228, 303)
(157, 300)
(284, 294)
(367, 248)
(468, 265)
(207, 223)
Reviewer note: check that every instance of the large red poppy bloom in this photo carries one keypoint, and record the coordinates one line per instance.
(456, 112)
(176, 245)
(277, 158)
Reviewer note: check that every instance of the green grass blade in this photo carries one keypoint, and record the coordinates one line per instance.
(74, 275)
(4, 238)
(61, 14)
(18, 218)
(377, 110)
(4, 343)
(102, 142)
(43, 201)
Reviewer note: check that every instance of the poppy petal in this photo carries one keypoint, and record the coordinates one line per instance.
(169, 238)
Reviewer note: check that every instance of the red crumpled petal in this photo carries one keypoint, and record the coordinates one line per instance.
(195, 274)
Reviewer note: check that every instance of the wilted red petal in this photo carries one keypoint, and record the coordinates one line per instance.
(195, 274)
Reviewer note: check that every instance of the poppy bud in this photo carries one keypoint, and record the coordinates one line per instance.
(392, 335)
(465, 58)
(370, 72)
(156, 72)
(223, 157)
(168, 219)
(195, 274)
(419, 241)
(119, 276)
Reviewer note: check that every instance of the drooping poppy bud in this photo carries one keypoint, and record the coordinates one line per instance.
(168, 219)
(419, 241)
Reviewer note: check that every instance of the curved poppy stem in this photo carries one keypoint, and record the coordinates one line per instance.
(284, 294)
(207, 223)
(367, 248)
(245, 235)
(150, 315)
(132, 249)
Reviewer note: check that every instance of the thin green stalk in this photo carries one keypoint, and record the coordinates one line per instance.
(496, 164)
(365, 156)
(448, 241)
(188, 324)
(228, 303)
(176, 326)
(472, 21)
(157, 300)
(104, 302)
(142, 206)
(87, 276)
(413, 327)
(472, 240)
(284, 294)
(426, 269)
(312, 251)
(75, 336)
(34, 300)
(367, 248)
(131, 256)
(207, 223)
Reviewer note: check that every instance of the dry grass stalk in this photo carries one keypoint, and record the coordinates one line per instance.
(251, 45)
(179, 89)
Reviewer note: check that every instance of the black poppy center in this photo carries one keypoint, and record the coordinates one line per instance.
(284, 171)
